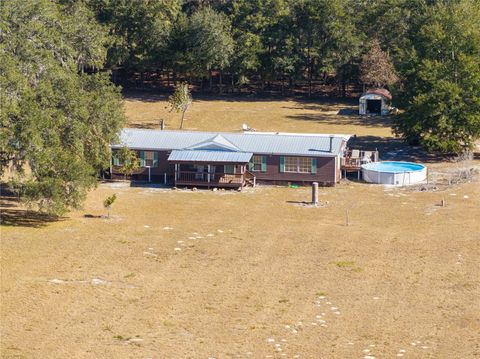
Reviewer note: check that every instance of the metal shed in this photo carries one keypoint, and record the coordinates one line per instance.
(375, 102)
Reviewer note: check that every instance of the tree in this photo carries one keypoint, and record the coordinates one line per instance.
(129, 161)
(108, 203)
(180, 101)
(441, 91)
(326, 37)
(138, 30)
(57, 122)
(377, 68)
(209, 42)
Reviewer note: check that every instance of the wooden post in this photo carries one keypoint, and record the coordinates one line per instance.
(208, 175)
(165, 178)
(315, 193)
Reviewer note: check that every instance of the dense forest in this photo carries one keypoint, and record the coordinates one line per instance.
(64, 62)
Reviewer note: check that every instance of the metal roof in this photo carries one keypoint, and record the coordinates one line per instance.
(216, 143)
(381, 92)
(319, 145)
(209, 156)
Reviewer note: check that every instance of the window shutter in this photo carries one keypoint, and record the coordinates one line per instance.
(314, 165)
(155, 159)
(282, 164)
(264, 164)
(142, 158)
(250, 165)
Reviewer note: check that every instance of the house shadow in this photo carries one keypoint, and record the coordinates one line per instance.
(144, 184)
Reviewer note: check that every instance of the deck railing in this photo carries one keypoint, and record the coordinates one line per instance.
(355, 158)
(210, 177)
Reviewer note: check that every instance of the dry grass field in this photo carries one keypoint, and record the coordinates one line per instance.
(252, 274)
(261, 114)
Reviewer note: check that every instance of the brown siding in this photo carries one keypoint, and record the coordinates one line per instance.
(157, 173)
(325, 172)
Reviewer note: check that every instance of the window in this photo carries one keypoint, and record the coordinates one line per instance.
(258, 164)
(230, 169)
(148, 159)
(298, 165)
(291, 164)
(116, 159)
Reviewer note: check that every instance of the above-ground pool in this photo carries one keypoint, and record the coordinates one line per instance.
(394, 173)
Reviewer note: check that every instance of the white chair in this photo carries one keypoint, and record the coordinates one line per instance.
(367, 157)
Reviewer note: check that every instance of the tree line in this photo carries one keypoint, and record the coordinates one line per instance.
(60, 109)
(427, 52)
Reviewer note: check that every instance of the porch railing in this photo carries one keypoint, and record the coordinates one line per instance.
(249, 176)
(209, 177)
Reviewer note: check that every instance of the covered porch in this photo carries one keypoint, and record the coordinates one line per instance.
(212, 168)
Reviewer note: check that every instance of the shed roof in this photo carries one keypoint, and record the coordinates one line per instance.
(261, 143)
(381, 92)
(209, 156)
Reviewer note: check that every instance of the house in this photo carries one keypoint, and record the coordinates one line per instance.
(214, 159)
(375, 102)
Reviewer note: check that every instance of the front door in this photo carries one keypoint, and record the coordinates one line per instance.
(199, 173)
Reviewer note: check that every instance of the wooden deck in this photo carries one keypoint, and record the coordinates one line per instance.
(354, 159)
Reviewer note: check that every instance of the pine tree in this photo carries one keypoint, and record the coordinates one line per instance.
(377, 68)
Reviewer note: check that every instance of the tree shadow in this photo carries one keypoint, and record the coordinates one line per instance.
(394, 149)
(162, 95)
(11, 215)
(25, 218)
(88, 215)
(344, 120)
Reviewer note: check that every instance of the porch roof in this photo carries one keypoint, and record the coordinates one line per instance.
(209, 156)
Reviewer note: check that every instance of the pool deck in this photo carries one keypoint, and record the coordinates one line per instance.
(353, 160)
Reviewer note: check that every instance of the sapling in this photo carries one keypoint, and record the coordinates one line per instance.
(108, 203)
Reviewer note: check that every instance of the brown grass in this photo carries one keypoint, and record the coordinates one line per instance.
(263, 115)
(404, 271)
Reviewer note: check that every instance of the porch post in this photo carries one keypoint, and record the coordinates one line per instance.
(176, 173)
(208, 175)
